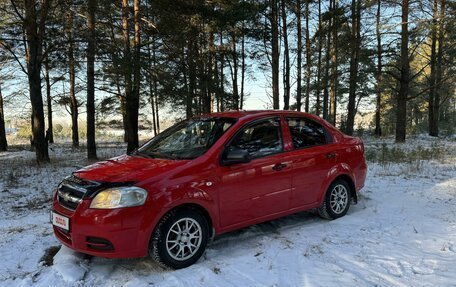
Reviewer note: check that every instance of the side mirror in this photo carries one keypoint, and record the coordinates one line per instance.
(235, 156)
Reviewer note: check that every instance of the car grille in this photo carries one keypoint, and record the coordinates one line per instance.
(72, 190)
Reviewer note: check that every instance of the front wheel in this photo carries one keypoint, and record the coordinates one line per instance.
(337, 200)
(180, 238)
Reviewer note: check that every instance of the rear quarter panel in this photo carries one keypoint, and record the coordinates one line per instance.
(350, 160)
(352, 155)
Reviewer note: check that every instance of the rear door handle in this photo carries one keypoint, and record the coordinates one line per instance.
(331, 155)
(279, 166)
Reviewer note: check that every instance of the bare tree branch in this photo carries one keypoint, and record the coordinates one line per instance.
(14, 55)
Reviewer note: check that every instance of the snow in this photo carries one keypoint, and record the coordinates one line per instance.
(401, 233)
(69, 265)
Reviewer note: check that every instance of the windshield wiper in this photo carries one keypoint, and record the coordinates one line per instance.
(162, 155)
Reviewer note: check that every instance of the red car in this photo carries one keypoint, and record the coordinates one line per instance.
(206, 176)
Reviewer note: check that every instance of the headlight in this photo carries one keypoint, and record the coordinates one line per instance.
(117, 197)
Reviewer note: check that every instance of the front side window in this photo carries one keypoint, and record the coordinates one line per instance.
(259, 139)
(186, 140)
(306, 133)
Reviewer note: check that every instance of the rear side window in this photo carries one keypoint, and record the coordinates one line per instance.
(259, 139)
(307, 133)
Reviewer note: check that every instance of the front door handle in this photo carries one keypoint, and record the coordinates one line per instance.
(331, 155)
(279, 166)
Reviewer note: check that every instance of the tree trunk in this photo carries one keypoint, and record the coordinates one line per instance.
(50, 130)
(91, 42)
(439, 69)
(157, 115)
(234, 72)
(205, 77)
(127, 68)
(154, 92)
(378, 75)
(34, 57)
(152, 79)
(243, 67)
(354, 61)
(308, 58)
(152, 104)
(327, 65)
(275, 54)
(3, 142)
(222, 77)
(299, 56)
(191, 54)
(401, 104)
(131, 91)
(432, 77)
(152, 89)
(334, 69)
(216, 72)
(286, 59)
(72, 74)
(320, 47)
(123, 111)
(133, 101)
(210, 75)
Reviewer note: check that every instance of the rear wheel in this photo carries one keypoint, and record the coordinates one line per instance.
(180, 238)
(337, 200)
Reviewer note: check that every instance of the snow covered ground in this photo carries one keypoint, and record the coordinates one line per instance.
(402, 232)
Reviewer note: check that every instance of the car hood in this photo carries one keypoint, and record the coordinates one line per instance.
(127, 168)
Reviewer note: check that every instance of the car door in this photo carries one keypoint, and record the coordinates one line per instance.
(313, 157)
(262, 186)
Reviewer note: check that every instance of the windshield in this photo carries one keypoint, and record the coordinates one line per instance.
(186, 140)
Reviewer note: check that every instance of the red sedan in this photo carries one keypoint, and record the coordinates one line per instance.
(206, 176)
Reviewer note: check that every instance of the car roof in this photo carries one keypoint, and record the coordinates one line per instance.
(255, 113)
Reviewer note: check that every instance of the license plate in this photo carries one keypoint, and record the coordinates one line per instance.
(60, 221)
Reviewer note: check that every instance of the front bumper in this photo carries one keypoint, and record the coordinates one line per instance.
(110, 233)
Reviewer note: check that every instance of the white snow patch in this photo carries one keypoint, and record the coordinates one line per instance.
(69, 265)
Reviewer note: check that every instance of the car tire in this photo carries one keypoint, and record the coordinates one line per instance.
(179, 239)
(337, 200)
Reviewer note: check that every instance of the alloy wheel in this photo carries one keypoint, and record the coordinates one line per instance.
(184, 239)
(339, 198)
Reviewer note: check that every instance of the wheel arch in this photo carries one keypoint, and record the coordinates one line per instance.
(348, 179)
(191, 206)
(200, 209)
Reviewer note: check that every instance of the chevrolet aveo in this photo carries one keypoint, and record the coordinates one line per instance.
(206, 176)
